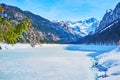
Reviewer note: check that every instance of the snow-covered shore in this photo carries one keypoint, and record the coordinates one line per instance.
(106, 61)
(5, 46)
(108, 65)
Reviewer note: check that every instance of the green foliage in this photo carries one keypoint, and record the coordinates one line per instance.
(10, 32)
(10, 36)
(1, 9)
(22, 27)
(1, 37)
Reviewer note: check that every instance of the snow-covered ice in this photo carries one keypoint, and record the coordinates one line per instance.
(49, 62)
(59, 62)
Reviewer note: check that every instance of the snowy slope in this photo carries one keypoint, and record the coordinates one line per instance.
(108, 65)
(109, 26)
(79, 28)
(85, 27)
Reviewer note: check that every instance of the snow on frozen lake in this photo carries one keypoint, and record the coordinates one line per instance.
(56, 62)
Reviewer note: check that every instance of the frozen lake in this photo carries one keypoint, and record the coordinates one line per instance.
(60, 62)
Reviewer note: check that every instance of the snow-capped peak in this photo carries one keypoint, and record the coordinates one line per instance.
(80, 28)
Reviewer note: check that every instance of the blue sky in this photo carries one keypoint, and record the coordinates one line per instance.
(65, 9)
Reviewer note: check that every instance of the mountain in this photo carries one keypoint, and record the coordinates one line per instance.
(41, 30)
(108, 31)
(111, 35)
(109, 18)
(78, 28)
(44, 30)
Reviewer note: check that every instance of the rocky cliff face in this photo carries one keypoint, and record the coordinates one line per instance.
(110, 17)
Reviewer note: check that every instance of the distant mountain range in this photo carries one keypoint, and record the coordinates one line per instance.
(89, 31)
(47, 31)
(108, 31)
(78, 28)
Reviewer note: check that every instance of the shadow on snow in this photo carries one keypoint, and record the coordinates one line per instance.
(95, 50)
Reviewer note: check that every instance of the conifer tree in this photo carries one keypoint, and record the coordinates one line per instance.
(1, 9)
(10, 32)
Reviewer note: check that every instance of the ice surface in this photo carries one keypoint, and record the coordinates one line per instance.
(48, 62)
(59, 62)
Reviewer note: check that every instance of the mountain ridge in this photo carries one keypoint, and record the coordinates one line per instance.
(110, 17)
(108, 31)
(44, 30)
(80, 28)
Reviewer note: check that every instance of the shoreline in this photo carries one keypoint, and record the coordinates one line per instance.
(5, 46)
